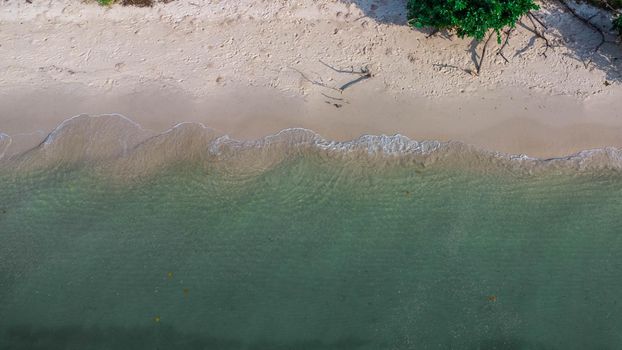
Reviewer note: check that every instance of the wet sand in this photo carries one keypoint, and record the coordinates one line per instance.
(507, 121)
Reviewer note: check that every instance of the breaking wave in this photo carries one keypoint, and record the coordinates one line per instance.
(116, 143)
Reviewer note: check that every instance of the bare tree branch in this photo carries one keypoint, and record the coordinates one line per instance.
(538, 34)
(537, 20)
(359, 79)
(363, 71)
(481, 58)
(589, 24)
(319, 83)
(505, 43)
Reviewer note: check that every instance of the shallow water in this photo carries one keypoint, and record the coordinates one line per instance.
(312, 252)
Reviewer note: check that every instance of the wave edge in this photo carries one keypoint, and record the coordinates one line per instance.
(114, 137)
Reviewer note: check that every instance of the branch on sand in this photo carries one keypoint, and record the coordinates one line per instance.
(537, 20)
(363, 70)
(364, 73)
(359, 79)
(589, 24)
(540, 34)
(314, 82)
(505, 43)
(478, 65)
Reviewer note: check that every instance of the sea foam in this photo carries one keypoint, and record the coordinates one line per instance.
(114, 141)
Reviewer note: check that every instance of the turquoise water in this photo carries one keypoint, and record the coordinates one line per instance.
(311, 253)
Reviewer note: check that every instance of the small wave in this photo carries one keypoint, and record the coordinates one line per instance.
(113, 140)
(68, 125)
(5, 143)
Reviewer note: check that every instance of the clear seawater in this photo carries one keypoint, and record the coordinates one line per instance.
(311, 253)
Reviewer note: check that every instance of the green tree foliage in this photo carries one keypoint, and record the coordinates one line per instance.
(105, 2)
(617, 24)
(472, 18)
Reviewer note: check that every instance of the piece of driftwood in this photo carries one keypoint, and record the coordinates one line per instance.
(539, 34)
(478, 66)
(537, 19)
(505, 43)
(314, 82)
(359, 79)
(363, 70)
(364, 73)
(588, 24)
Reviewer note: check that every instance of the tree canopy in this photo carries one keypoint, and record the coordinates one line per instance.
(472, 18)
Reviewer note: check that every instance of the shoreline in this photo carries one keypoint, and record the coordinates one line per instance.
(498, 121)
(107, 139)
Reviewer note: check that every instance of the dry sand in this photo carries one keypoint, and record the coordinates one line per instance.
(247, 69)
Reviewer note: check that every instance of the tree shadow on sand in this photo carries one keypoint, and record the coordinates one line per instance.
(583, 40)
(558, 25)
(382, 11)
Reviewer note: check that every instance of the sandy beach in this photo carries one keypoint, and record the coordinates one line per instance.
(252, 68)
(308, 175)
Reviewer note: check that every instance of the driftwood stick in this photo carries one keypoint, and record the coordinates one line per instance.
(319, 83)
(537, 20)
(505, 43)
(363, 71)
(587, 23)
(481, 59)
(540, 35)
(611, 8)
(359, 79)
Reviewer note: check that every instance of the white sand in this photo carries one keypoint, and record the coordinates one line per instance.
(236, 66)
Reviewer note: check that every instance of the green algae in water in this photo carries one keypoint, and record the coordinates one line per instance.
(311, 254)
